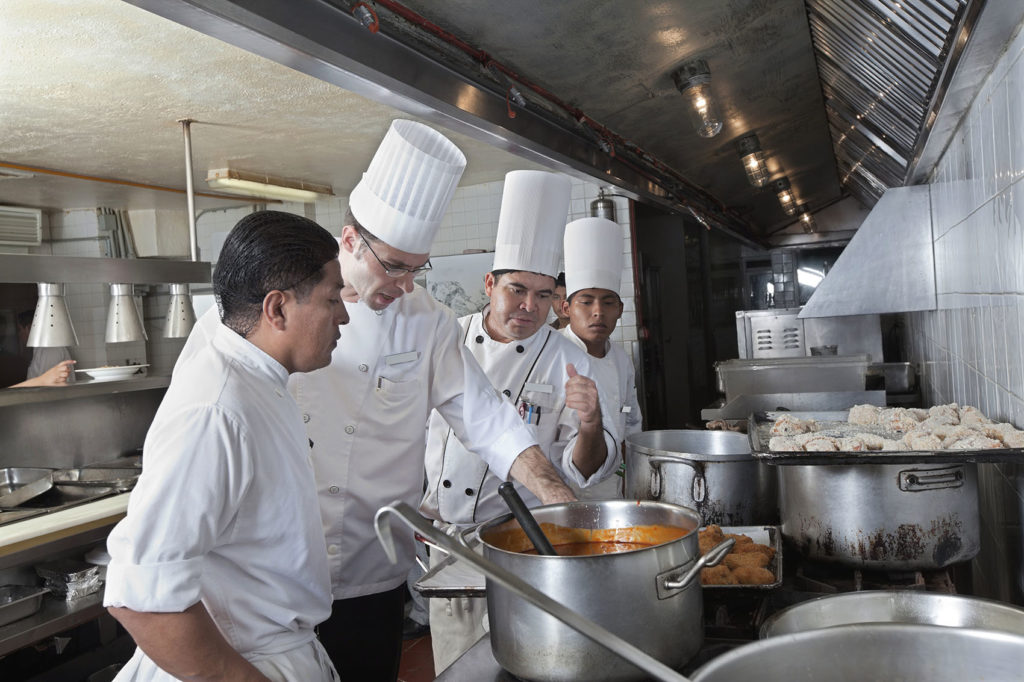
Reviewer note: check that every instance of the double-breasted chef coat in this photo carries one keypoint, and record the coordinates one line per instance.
(366, 414)
(531, 374)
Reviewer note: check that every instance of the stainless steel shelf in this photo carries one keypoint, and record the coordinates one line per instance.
(54, 616)
(30, 268)
(45, 394)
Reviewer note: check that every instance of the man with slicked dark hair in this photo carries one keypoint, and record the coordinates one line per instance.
(219, 570)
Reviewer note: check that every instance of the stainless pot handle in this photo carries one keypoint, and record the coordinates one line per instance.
(918, 480)
(514, 583)
(699, 488)
(712, 558)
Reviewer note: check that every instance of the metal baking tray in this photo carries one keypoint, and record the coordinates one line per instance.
(20, 484)
(98, 477)
(19, 601)
(760, 423)
(762, 535)
(451, 578)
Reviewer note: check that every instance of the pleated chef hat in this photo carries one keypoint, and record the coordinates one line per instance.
(404, 193)
(593, 255)
(534, 206)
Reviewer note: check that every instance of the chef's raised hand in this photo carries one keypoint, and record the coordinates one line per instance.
(581, 395)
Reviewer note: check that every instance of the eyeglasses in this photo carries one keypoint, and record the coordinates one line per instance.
(394, 270)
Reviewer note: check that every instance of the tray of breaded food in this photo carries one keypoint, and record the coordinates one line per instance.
(755, 561)
(868, 434)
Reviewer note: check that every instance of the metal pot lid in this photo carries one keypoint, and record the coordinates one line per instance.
(693, 444)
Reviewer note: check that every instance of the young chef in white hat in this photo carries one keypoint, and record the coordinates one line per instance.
(401, 357)
(593, 275)
(219, 569)
(539, 371)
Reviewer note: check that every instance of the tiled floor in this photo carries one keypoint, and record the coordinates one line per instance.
(417, 661)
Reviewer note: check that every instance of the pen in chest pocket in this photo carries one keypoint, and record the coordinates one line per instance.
(529, 412)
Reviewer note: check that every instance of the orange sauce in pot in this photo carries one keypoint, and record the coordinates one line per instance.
(584, 541)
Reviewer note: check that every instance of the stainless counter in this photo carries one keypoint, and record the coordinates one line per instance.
(56, 615)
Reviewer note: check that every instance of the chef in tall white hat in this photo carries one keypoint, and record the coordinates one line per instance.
(593, 278)
(401, 357)
(535, 368)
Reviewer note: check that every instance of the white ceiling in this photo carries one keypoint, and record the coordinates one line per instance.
(95, 87)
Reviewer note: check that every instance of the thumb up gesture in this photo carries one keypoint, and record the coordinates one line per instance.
(581, 395)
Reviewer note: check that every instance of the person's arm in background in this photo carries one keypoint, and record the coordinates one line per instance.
(55, 376)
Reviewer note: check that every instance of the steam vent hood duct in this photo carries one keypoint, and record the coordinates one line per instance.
(888, 266)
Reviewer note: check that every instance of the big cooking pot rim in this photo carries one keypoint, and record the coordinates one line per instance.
(872, 651)
(693, 444)
(598, 515)
(895, 606)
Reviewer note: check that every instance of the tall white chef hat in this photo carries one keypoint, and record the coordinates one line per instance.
(534, 205)
(404, 193)
(593, 255)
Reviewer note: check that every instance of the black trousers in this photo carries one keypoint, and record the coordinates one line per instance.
(363, 636)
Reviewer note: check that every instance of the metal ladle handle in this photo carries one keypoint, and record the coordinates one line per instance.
(526, 521)
(514, 583)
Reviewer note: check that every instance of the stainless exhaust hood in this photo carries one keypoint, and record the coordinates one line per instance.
(888, 266)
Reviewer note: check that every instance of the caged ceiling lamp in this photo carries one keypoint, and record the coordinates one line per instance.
(693, 80)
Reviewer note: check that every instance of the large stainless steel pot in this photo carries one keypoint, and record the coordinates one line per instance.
(895, 606)
(650, 597)
(497, 575)
(877, 651)
(883, 517)
(710, 471)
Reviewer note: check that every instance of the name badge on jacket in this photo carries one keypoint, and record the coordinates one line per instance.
(401, 358)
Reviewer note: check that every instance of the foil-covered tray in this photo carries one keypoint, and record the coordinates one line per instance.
(762, 535)
(759, 427)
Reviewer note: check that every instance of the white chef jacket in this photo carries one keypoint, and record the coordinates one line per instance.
(530, 373)
(366, 415)
(225, 510)
(616, 379)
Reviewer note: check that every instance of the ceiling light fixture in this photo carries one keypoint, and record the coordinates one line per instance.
(807, 219)
(51, 322)
(786, 198)
(753, 160)
(693, 79)
(266, 186)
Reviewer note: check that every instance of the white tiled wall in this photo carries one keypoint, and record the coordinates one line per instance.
(470, 223)
(970, 348)
(79, 233)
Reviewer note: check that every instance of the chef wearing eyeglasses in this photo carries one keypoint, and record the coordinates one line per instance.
(401, 356)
